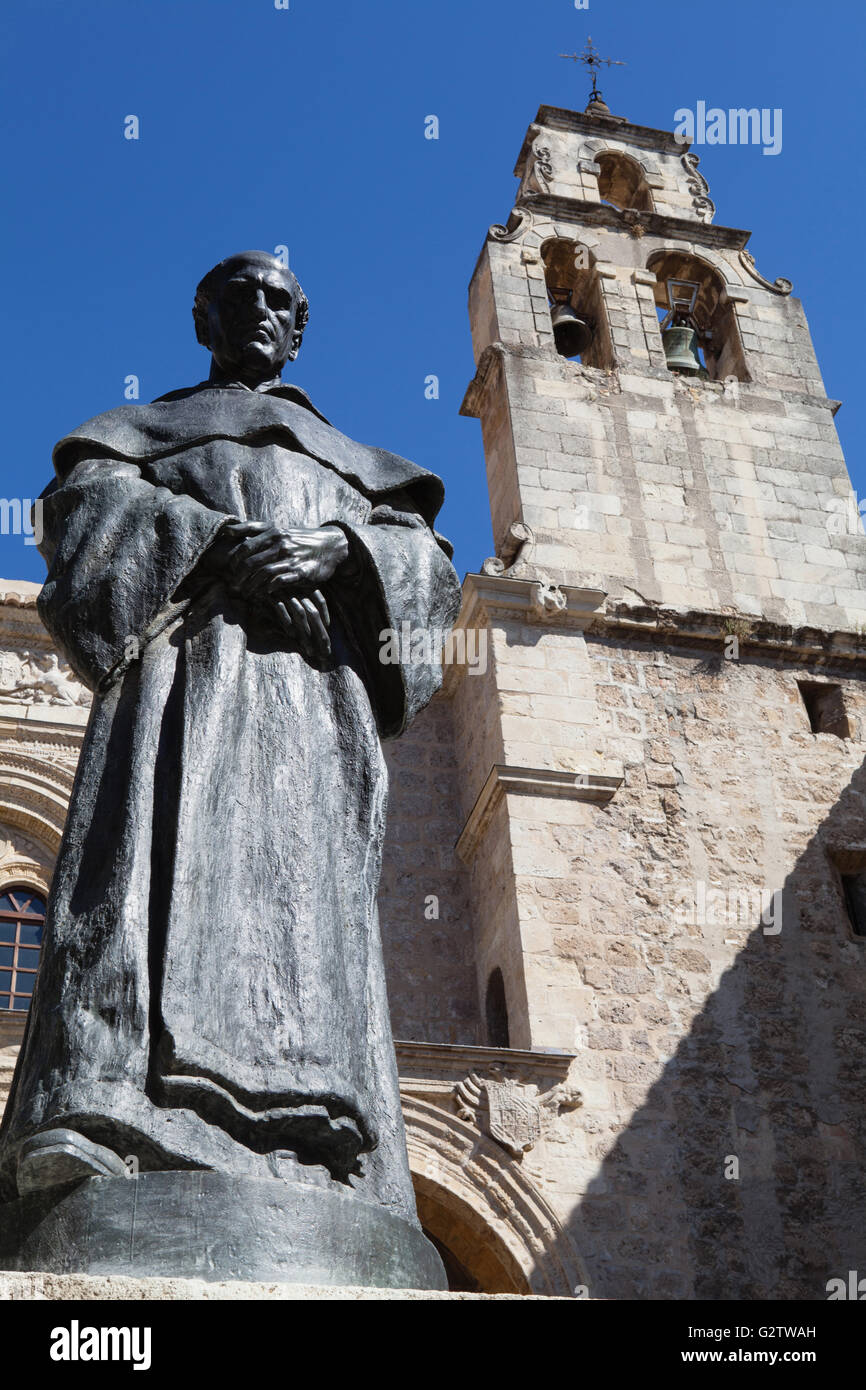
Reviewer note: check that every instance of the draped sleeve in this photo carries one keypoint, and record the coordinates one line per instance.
(123, 556)
(118, 549)
(402, 596)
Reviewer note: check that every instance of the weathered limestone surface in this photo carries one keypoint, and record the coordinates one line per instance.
(728, 494)
(686, 939)
(699, 1033)
(686, 494)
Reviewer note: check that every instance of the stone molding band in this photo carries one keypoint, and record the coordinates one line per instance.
(529, 781)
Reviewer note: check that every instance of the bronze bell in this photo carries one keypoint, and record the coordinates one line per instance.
(571, 333)
(681, 349)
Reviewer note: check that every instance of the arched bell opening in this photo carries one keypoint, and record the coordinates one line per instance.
(622, 182)
(700, 333)
(577, 311)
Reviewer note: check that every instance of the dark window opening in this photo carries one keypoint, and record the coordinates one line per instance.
(825, 706)
(22, 920)
(854, 888)
(496, 1011)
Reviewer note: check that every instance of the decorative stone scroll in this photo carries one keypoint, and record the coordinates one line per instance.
(778, 286)
(699, 188)
(540, 171)
(519, 223)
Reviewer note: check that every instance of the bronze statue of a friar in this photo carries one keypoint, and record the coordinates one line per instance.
(210, 1014)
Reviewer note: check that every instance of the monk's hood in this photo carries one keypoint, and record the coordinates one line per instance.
(141, 433)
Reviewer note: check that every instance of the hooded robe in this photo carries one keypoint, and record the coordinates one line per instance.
(211, 991)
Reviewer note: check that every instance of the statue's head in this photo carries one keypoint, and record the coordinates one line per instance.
(251, 313)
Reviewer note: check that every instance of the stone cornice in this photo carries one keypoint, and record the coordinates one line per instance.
(521, 598)
(20, 623)
(530, 781)
(437, 1062)
(613, 127)
(816, 646)
(658, 224)
(38, 720)
(20, 593)
(494, 355)
(585, 609)
(424, 1065)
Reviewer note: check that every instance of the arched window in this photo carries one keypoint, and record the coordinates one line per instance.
(22, 921)
(622, 183)
(496, 1011)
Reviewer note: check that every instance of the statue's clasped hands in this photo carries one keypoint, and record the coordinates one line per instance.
(285, 568)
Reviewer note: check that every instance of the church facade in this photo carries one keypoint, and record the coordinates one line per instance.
(624, 894)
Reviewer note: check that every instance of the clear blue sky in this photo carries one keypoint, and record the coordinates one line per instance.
(305, 127)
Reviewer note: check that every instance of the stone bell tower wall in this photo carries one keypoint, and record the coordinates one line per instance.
(656, 827)
(727, 494)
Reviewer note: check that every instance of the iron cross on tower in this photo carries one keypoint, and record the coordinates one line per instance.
(592, 59)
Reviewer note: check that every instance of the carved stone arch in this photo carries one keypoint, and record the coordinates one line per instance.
(593, 148)
(564, 248)
(714, 262)
(537, 234)
(35, 798)
(24, 871)
(483, 1207)
(707, 257)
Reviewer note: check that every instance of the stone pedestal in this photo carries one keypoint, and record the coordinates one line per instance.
(213, 1227)
(90, 1288)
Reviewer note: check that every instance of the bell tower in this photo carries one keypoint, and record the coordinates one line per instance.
(662, 460)
(661, 765)
(687, 457)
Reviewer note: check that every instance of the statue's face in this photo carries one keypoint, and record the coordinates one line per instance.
(251, 319)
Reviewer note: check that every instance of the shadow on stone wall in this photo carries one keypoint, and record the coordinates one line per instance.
(424, 908)
(773, 1073)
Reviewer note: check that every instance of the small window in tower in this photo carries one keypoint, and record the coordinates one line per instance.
(854, 889)
(825, 706)
(496, 1011)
